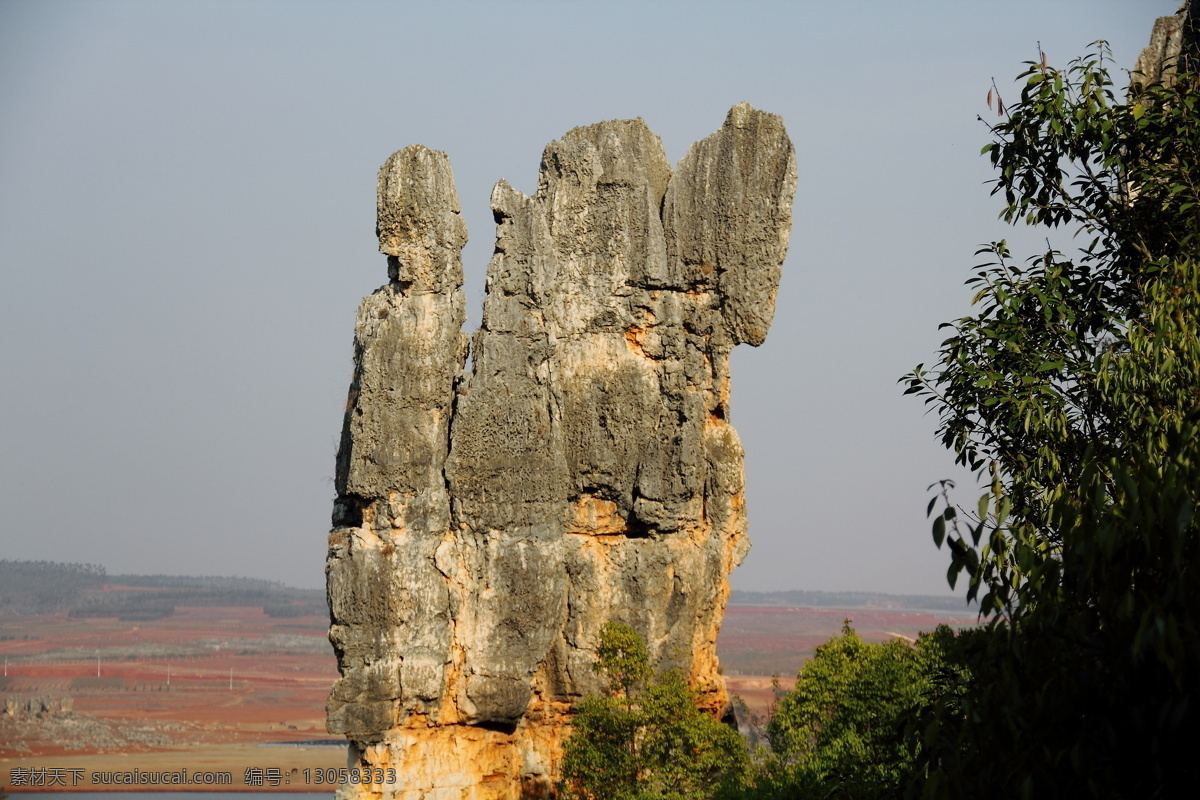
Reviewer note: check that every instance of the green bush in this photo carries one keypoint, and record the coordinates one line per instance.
(840, 732)
(651, 743)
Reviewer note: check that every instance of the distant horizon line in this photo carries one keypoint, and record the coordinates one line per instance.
(844, 593)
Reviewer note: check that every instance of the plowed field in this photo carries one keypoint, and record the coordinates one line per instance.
(232, 690)
(226, 689)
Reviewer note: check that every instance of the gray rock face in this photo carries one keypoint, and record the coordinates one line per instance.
(488, 525)
(390, 607)
(1174, 43)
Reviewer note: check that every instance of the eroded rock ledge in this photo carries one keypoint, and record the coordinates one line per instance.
(584, 471)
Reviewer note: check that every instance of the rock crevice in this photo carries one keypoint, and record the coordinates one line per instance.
(488, 524)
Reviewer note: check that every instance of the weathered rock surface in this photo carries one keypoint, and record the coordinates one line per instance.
(585, 471)
(1174, 43)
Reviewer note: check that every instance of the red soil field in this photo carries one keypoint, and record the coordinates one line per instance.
(241, 683)
(206, 688)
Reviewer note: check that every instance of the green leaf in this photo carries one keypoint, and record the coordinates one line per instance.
(1076, 380)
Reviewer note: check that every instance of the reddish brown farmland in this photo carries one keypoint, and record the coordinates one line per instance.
(205, 688)
(209, 688)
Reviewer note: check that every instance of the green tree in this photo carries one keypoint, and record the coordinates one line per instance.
(839, 732)
(653, 744)
(1076, 390)
(622, 657)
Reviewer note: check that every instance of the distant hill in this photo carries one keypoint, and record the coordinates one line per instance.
(802, 599)
(87, 590)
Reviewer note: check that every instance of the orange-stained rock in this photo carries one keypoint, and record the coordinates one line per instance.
(489, 524)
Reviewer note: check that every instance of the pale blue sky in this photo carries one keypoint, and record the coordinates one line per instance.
(186, 226)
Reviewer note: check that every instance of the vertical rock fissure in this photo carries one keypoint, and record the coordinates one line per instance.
(491, 519)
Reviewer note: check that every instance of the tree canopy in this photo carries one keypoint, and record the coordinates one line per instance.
(1075, 389)
(649, 744)
(840, 732)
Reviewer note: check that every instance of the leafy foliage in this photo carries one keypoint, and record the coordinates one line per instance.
(655, 744)
(1076, 387)
(840, 732)
(622, 656)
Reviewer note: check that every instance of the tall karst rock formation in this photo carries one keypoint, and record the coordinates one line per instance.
(1174, 45)
(584, 471)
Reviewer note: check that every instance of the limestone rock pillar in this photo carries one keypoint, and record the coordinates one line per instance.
(585, 470)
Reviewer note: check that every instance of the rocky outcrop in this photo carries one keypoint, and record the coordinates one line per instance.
(1174, 43)
(37, 706)
(488, 524)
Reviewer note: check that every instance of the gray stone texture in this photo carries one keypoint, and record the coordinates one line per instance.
(1174, 43)
(584, 471)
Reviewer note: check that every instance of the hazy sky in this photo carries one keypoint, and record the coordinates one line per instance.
(187, 211)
